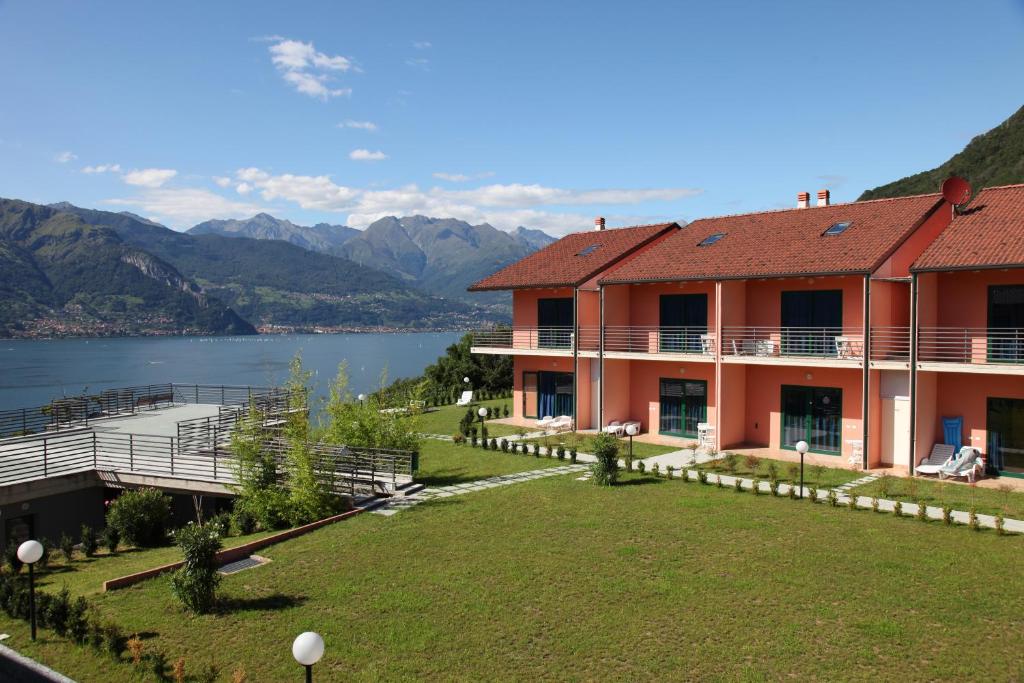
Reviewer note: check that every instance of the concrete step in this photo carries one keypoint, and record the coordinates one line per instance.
(409, 489)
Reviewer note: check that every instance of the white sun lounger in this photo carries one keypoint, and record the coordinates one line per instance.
(615, 427)
(561, 423)
(467, 398)
(941, 455)
(545, 422)
(968, 464)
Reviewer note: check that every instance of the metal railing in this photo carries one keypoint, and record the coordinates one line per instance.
(351, 469)
(803, 342)
(525, 338)
(971, 345)
(81, 410)
(657, 339)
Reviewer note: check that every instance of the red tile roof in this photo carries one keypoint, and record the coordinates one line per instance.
(570, 262)
(781, 243)
(988, 234)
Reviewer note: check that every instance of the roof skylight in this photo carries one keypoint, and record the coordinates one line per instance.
(589, 250)
(711, 239)
(838, 228)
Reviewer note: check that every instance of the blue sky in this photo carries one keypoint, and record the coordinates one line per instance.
(536, 113)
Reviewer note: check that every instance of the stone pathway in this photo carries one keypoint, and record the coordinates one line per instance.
(858, 482)
(391, 506)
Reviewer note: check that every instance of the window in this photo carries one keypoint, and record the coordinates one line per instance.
(711, 239)
(683, 406)
(684, 318)
(1006, 323)
(554, 322)
(811, 320)
(838, 228)
(814, 415)
(589, 250)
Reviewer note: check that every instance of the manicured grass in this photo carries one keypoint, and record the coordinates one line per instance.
(560, 579)
(442, 463)
(823, 477)
(445, 420)
(585, 444)
(940, 493)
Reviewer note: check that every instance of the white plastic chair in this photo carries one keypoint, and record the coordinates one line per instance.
(467, 398)
(614, 427)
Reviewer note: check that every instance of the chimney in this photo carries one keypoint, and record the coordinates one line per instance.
(823, 197)
(803, 200)
(599, 223)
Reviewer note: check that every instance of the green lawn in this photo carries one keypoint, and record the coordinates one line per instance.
(585, 444)
(940, 493)
(445, 420)
(560, 579)
(443, 463)
(825, 477)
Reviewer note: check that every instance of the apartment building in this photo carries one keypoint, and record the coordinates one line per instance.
(866, 329)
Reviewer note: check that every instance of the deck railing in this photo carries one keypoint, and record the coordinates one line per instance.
(525, 338)
(971, 345)
(805, 342)
(657, 339)
(890, 343)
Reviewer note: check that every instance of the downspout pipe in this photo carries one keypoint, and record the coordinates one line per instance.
(600, 359)
(866, 397)
(575, 358)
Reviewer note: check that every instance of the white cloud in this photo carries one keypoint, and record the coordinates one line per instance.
(185, 207)
(419, 63)
(505, 206)
(102, 168)
(149, 177)
(243, 188)
(65, 157)
(359, 125)
(461, 177)
(422, 44)
(222, 181)
(367, 155)
(307, 70)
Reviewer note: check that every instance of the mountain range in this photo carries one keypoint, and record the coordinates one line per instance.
(992, 158)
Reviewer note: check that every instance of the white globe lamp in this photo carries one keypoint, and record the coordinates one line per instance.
(307, 649)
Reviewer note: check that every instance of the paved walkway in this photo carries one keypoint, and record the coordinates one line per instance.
(391, 506)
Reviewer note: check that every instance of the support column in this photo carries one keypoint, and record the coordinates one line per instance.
(913, 371)
(575, 357)
(600, 360)
(718, 365)
(866, 385)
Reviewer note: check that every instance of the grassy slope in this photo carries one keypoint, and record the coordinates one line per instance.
(442, 463)
(561, 579)
(445, 420)
(826, 477)
(585, 445)
(938, 493)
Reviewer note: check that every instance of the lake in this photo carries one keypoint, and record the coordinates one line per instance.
(32, 372)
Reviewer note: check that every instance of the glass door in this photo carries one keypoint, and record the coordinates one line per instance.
(683, 319)
(554, 323)
(1006, 323)
(1006, 436)
(684, 405)
(814, 415)
(811, 320)
(555, 394)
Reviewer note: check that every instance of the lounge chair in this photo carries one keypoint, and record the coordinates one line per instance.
(561, 423)
(968, 464)
(545, 421)
(614, 427)
(940, 456)
(467, 398)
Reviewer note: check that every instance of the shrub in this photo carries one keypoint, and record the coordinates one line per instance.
(972, 519)
(702, 475)
(195, 584)
(141, 517)
(1000, 523)
(113, 640)
(883, 485)
(922, 511)
(752, 462)
(792, 491)
(668, 470)
(111, 538)
(654, 469)
(494, 444)
(135, 648)
(264, 509)
(458, 439)
(833, 498)
(606, 469)
(473, 439)
(756, 488)
(812, 494)
(67, 548)
(729, 462)
(221, 523)
(483, 433)
(737, 484)
(11, 557)
(640, 466)
(88, 540)
(794, 472)
(851, 501)
(947, 515)
(773, 486)
(874, 504)
(78, 620)
(56, 612)
(898, 509)
(504, 410)
(573, 454)
(561, 451)
(536, 450)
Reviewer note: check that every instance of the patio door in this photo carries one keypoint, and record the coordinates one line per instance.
(684, 405)
(810, 322)
(814, 415)
(554, 323)
(683, 319)
(555, 394)
(1006, 323)
(530, 397)
(1006, 436)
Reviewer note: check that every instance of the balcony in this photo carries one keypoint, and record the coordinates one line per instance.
(971, 349)
(684, 343)
(535, 341)
(829, 346)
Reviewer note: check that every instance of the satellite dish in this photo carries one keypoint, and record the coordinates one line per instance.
(956, 190)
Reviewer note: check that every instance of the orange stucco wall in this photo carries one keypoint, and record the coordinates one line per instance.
(764, 397)
(645, 300)
(963, 295)
(524, 304)
(890, 303)
(898, 264)
(966, 395)
(764, 298)
(645, 388)
(521, 364)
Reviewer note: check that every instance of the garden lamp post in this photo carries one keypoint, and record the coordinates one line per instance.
(482, 412)
(631, 431)
(307, 649)
(801, 448)
(362, 399)
(31, 552)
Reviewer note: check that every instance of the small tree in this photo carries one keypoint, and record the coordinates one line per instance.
(88, 540)
(195, 584)
(141, 517)
(606, 450)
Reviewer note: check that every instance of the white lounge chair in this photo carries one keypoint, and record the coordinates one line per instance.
(467, 398)
(561, 423)
(940, 456)
(545, 421)
(968, 464)
(614, 427)
(705, 435)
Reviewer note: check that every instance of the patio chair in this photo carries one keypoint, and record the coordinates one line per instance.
(850, 347)
(467, 398)
(614, 427)
(968, 464)
(940, 456)
(743, 347)
(705, 435)
(545, 422)
(561, 423)
(707, 344)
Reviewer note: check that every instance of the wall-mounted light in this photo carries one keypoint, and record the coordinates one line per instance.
(809, 376)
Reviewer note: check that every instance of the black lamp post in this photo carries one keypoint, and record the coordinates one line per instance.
(630, 431)
(801, 448)
(29, 553)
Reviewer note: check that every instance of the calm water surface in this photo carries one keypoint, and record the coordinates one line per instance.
(32, 372)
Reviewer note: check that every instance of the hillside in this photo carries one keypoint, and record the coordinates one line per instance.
(993, 158)
(275, 283)
(320, 237)
(440, 255)
(60, 275)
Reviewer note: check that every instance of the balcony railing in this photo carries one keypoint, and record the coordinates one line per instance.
(890, 343)
(653, 339)
(802, 342)
(971, 345)
(525, 338)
